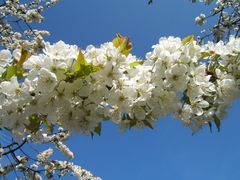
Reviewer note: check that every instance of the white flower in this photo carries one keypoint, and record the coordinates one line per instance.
(170, 44)
(147, 91)
(65, 150)
(1, 152)
(176, 77)
(119, 99)
(33, 15)
(44, 156)
(233, 44)
(17, 54)
(198, 105)
(96, 56)
(228, 89)
(43, 61)
(185, 114)
(61, 51)
(5, 57)
(46, 80)
(200, 20)
(138, 113)
(167, 49)
(42, 80)
(35, 62)
(10, 88)
(194, 91)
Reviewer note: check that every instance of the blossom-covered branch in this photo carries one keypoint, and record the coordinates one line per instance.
(24, 165)
(79, 89)
(227, 13)
(49, 90)
(15, 23)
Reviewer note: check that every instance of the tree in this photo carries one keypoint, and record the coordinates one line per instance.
(48, 91)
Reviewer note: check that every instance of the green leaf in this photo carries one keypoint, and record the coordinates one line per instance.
(123, 43)
(148, 124)
(215, 57)
(118, 40)
(126, 47)
(13, 70)
(34, 123)
(136, 63)
(132, 123)
(188, 39)
(82, 67)
(80, 61)
(48, 126)
(98, 129)
(204, 55)
(217, 122)
(25, 54)
(9, 73)
(150, 2)
(210, 126)
(16, 69)
(20, 71)
(59, 123)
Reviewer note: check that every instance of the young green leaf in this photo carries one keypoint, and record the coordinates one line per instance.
(9, 72)
(16, 69)
(82, 67)
(118, 40)
(25, 54)
(188, 39)
(123, 43)
(80, 60)
(136, 63)
(204, 55)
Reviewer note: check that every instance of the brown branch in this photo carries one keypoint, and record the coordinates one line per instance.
(15, 149)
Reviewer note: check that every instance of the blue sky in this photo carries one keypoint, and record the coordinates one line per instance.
(168, 152)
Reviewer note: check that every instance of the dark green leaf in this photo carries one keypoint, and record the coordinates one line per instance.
(98, 129)
(217, 122)
(210, 126)
(132, 123)
(34, 123)
(148, 124)
(150, 2)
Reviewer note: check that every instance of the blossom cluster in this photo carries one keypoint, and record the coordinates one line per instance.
(43, 166)
(227, 13)
(15, 19)
(50, 166)
(78, 89)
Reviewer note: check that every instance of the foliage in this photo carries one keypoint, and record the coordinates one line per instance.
(48, 91)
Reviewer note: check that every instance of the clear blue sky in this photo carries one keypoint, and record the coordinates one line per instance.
(169, 152)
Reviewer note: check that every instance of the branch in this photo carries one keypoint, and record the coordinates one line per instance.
(15, 149)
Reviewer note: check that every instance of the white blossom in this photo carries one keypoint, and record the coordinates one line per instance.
(132, 93)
